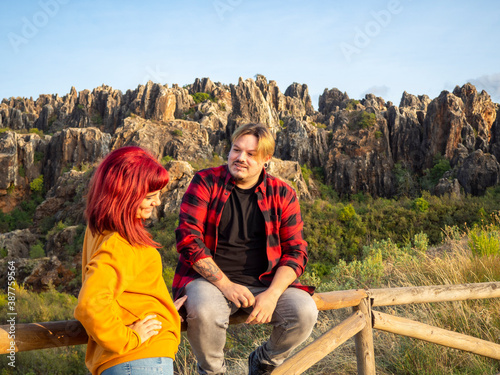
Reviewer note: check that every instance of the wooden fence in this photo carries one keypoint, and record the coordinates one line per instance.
(360, 324)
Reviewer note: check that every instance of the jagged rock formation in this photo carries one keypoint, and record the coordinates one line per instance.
(453, 125)
(185, 140)
(357, 143)
(50, 270)
(180, 175)
(301, 141)
(290, 172)
(360, 159)
(478, 172)
(18, 243)
(65, 200)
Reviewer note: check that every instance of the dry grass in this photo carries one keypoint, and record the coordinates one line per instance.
(450, 263)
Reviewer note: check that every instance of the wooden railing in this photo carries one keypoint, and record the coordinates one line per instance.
(360, 324)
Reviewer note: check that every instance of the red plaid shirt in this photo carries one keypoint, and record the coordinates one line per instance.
(200, 214)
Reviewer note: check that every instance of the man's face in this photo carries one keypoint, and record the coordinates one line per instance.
(245, 165)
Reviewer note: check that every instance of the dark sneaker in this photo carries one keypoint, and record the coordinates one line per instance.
(257, 368)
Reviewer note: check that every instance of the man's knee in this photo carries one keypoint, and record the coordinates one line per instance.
(301, 306)
(206, 304)
(307, 313)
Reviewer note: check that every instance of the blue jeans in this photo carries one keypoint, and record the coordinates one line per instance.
(208, 314)
(146, 366)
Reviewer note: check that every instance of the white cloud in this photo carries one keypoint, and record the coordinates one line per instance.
(382, 91)
(489, 83)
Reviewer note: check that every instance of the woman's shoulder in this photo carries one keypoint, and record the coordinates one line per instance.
(108, 241)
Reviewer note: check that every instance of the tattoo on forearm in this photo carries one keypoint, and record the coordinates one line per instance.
(208, 269)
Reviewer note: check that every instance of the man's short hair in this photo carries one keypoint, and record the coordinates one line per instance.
(265, 139)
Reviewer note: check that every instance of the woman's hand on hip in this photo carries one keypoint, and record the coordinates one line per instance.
(146, 327)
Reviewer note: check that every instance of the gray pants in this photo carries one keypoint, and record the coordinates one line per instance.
(208, 314)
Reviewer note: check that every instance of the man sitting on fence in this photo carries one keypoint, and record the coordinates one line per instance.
(241, 246)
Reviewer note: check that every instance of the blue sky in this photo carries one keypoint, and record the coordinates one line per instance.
(382, 47)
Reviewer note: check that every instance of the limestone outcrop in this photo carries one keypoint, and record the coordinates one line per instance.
(88, 124)
(358, 145)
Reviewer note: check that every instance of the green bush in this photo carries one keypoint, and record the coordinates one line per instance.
(406, 181)
(359, 274)
(420, 205)
(346, 213)
(163, 233)
(200, 97)
(168, 276)
(485, 241)
(361, 120)
(367, 120)
(38, 156)
(76, 245)
(96, 119)
(37, 184)
(53, 118)
(432, 176)
(166, 159)
(421, 242)
(177, 132)
(351, 104)
(200, 164)
(37, 251)
(306, 173)
(36, 131)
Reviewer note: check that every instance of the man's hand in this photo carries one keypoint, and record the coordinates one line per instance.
(236, 293)
(265, 304)
(179, 302)
(146, 327)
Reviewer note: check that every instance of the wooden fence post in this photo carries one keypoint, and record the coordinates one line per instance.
(321, 347)
(365, 354)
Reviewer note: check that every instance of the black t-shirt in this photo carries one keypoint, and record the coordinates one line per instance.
(241, 245)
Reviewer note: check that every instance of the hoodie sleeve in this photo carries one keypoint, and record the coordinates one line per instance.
(110, 270)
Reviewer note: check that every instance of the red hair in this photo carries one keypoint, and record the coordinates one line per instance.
(120, 184)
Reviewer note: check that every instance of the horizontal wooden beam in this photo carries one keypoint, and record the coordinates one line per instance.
(421, 331)
(434, 293)
(33, 336)
(318, 349)
(339, 299)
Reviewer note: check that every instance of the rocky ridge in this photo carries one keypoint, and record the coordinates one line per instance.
(358, 144)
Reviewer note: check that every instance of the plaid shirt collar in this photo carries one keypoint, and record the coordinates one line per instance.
(230, 183)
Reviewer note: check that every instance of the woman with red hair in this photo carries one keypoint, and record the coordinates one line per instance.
(124, 304)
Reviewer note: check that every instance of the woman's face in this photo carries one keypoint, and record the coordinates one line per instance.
(148, 204)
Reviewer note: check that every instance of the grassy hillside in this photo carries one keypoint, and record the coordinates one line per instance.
(467, 254)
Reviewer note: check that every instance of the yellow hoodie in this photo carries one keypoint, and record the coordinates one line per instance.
(122, 284)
